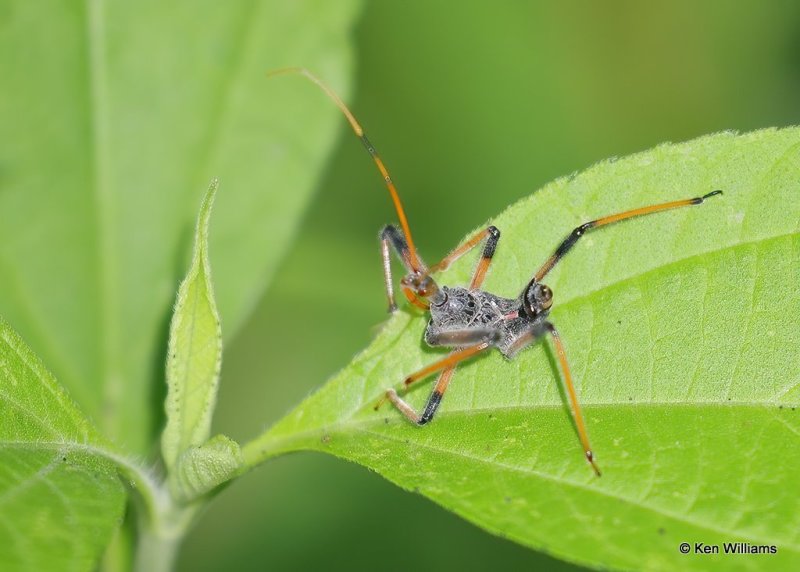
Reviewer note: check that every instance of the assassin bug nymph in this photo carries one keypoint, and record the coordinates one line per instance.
(471, 320)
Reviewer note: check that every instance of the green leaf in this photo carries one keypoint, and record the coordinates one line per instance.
(682, 336)
(193, 366)
(115, 115)
(201, 469)
(60, 496)
(195, 351)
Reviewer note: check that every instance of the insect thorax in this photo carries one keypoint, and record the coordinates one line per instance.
(460, 309)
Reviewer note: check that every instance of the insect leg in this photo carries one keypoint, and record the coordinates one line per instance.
(576, 407)
(449, 338)
(392, 236)
(578, 232)
(453, 359)
(447, 363)
(491, 235)
(486, 258)
(433, 401)
(463, 337)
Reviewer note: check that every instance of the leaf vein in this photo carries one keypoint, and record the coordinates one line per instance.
(582, 486)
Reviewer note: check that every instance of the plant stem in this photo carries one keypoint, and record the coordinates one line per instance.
(160, 533)
(161, 524)
(268, 445)
(155, 550)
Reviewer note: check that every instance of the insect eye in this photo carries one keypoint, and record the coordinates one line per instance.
(545, 296)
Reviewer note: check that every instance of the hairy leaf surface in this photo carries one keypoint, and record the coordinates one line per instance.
(195, 355)
(195, 351)
(60, 497)
(681, 330)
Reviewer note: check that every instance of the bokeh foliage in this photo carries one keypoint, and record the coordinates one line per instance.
(115, 116)
(118, 116)
(472, 109)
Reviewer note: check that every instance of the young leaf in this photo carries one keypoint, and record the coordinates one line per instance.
(681, 331)
(195, 351)
(60, 496)
(201, 469)
(118, 113)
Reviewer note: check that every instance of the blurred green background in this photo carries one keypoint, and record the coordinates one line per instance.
(472, 106)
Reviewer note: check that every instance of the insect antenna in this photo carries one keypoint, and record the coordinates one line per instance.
(414, 260)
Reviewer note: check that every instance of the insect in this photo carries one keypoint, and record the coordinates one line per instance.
(469, 319)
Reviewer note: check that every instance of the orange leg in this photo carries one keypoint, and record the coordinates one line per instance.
(570, 241)
(447, 366)
(453, 359)
(457, 253)
(491, 235)
(573, 397)
(486, 258)
(433, 401)
(531, 336)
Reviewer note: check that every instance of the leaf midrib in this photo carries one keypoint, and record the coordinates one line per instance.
(308, 440)
(354, 422)
(145, 483)
(107, 333)
(581, 486)
(277, 440)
